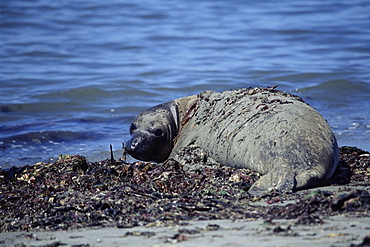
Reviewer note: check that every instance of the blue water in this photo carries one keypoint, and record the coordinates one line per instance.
(73, 74)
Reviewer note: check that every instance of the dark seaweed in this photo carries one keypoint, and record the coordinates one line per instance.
(73, 193)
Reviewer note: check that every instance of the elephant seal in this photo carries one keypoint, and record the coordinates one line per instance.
(270, 131)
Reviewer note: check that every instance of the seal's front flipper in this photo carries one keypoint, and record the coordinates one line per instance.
(280, 180)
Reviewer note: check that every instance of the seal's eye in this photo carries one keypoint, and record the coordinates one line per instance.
(132, 127)
(158, 132)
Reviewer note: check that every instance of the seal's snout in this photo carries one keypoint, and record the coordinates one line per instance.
(131, 146)
(138, 148)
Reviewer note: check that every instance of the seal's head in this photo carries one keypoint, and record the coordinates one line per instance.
(152, 133)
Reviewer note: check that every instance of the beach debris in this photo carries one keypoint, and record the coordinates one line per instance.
(72, 193)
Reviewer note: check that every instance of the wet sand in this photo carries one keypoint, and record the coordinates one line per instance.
(339, 230)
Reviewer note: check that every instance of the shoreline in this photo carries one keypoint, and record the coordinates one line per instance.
(72, 202)
(337, 231)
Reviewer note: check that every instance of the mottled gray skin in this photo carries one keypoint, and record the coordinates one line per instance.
(269, 131)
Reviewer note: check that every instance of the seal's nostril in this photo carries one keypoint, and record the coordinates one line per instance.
(132, 144)
(135, 142)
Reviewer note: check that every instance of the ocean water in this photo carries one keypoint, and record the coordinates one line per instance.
(73, 74)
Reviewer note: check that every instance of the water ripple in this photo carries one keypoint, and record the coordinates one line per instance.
(91, 66)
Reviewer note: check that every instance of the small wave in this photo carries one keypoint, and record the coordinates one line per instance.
(339, 86)
(46, 137)
(338, 91)
(44, 146)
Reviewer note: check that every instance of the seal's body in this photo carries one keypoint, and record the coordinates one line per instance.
(266, 130)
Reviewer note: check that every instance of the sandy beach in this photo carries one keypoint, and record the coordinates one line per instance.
(339, 230)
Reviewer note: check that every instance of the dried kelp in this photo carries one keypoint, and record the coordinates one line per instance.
(73, 193)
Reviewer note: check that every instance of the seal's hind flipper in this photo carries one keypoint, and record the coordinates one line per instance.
(281, 180)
